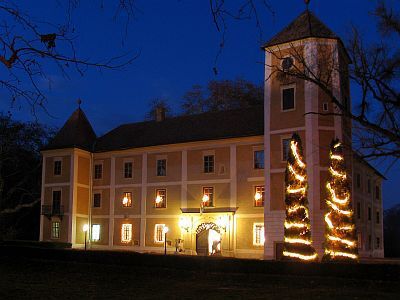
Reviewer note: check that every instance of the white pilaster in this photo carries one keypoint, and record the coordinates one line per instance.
(112, 202)
(143, 203)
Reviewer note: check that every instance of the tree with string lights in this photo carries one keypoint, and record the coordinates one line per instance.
(297, 234)
(340, 238)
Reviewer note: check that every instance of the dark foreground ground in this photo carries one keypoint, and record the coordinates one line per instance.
(61, 275)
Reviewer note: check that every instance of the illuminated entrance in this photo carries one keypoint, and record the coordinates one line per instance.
(208, 239)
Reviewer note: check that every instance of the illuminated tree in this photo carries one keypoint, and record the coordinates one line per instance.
(297, 242)
(340, 236)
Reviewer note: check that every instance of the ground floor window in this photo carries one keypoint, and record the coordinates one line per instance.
(95, 232)
(258, 234)
(159, 233)
(126, 233)
(55, 230)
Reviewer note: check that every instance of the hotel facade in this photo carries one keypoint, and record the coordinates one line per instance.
(215, 180)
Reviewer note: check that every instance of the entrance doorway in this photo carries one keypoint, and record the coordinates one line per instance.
(208, 239)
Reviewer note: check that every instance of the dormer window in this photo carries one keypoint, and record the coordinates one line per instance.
(287, 63)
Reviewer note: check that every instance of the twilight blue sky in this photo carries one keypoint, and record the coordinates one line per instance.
(177, 41)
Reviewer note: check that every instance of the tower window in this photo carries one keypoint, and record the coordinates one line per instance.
(57, 167)
(287, 63)
(285, 149)
(288, 98)
(325, 106)
(55, 230)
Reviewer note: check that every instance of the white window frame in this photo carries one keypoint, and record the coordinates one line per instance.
(262, 236)
(102, 170)
(166, 164)
(288, 86)
(254, 158)
(123, 169)
(96, 233)
(156, 240)
(55, 159)
(284, 137)
(129, 238)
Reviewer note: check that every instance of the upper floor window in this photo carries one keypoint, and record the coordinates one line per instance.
(369, 213)
(56, 209)
(358, 210)
(161, 167)
(161, 198)
(57, 167)
(95, 232)
(285, 149)
(128, 170)
(126, 233)
(259, 159)
(325, 106)
(127, 199)
(378, 217)
(287, 63)
(97, 200)
(208, 163)
(288, 98)
(98, 171)
(358, 180)
(377, 192)
(369, 186)
(208, 196)
(55, 230)
(259, 196)
(159, 233)
(258, 234)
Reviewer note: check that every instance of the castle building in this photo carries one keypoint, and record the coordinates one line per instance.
(211, 183)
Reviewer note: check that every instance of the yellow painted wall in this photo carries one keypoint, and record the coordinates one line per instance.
(104, 208)
(173, 200)
(82, 204)
(118, 230)
(65, 170)
(136, 201)
(173, 233)
(221, 194)
(103, 222)
(174, 167)
(136, 169)
(83, 170)
(195, 168)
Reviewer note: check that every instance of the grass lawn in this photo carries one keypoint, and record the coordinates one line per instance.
(28, 277)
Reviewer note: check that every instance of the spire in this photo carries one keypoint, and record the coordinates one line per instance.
(77, 132)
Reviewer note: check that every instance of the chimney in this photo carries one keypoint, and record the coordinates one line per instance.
(160, 114)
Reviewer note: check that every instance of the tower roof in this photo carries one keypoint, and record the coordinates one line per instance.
(76, 132)
(304, 26)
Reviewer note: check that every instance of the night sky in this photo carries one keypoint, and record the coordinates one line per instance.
(177, 42)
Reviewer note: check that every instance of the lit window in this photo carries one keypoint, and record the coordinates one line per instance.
(57, 167)
(98, 171)
(208, 196)
(161, 198)
(161, 167)
(128, 170)
(208, 163)
(126, 233)
(55, 230)
(259, 196)
(96, 200)
(127, 199)
(288, 98)
(159, 233)
(285, 149)
(258, 234)
(259, 159)
(95, 232)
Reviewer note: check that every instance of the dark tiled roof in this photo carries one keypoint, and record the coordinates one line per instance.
(201, 127)
(76, 132)
(304, 26)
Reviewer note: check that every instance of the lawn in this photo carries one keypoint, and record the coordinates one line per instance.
(26, 276)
